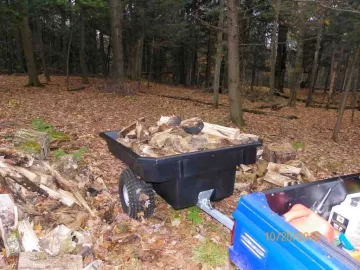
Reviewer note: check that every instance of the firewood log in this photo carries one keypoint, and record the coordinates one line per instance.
(8, 225)
(221, 131)
(34, 142)
(279, 153)
(130, 127)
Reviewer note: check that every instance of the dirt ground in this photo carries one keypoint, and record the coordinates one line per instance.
(184, 239)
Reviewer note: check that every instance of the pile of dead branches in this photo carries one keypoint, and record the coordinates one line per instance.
(171, 136)
(34, 192)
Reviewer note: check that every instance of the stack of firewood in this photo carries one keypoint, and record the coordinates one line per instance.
(171, 136)
(31, 189)
(277, 166)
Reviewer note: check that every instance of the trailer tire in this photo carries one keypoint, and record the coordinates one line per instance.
(136, 196)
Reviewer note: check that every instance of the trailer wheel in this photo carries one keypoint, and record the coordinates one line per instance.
(136, 196)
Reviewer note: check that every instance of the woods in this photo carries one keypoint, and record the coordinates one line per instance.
(276, 44)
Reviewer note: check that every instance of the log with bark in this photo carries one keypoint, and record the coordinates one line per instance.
(8, 225)
(32, 141)
(279, 153)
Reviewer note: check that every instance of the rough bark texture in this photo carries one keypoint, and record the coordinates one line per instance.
(29, 54)
(279, 153)
(208, 62)
(83, 65)
(281, 56)
(41, 49)
(32, 141)
(19, 51)
(353, 98)
(218, 57)
(233, 65)
(335, 136)
(116, 10)
(332, 78)
(276, 4)
(102, 55)
(315, 64)
(298, 59)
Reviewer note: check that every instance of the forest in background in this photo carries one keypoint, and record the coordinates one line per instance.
(223, 46)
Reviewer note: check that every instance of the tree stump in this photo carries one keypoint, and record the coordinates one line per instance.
(279, 153)
(32, 141)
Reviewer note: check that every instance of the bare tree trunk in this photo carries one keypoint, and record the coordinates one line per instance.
(218, 58)
(233, 65)
(83, 65)
(151, 62)
(327, 80)
(333, 68)
(194, 66)
(19, 51)
(64, 41)
(41, 49)
(102, 55)
(281, 56)
(315, 64)
(68, 59)
(29, 53)
(298, 59)
(353, 99)
(208, 63)
(335, 136)
(277, 4)
(116, 11)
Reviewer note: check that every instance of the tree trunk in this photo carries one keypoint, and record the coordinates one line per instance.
(116, 10)
(327, 80)
(335, 136)
(194, 66)
(182, 72)
(29, 53)
(253, 76)
(281, 56)
(353, 99)
(208, 63)
(298, 59)
(64, 41)
(218, 57)
(102, 55)
(19, 51)
(233, 65)
(276, 4)
(83, 64)
(333, 68)
(315, 64)
(94, 52)
(41, 49)
(68, 59)
(151, 62)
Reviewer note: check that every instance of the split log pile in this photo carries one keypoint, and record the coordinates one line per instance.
(171, 136)
(54, 196)
(276, 166)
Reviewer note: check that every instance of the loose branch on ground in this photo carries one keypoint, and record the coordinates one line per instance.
(222, 105)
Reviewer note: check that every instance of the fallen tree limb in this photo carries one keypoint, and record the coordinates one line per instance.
(253, 111)
(315, 105)
(76, 89)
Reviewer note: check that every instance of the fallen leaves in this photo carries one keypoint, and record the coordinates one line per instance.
(84, 114)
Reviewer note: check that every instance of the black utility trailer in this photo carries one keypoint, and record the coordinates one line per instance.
(178, 179)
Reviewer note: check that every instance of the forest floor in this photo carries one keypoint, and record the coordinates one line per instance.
(183, 239)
